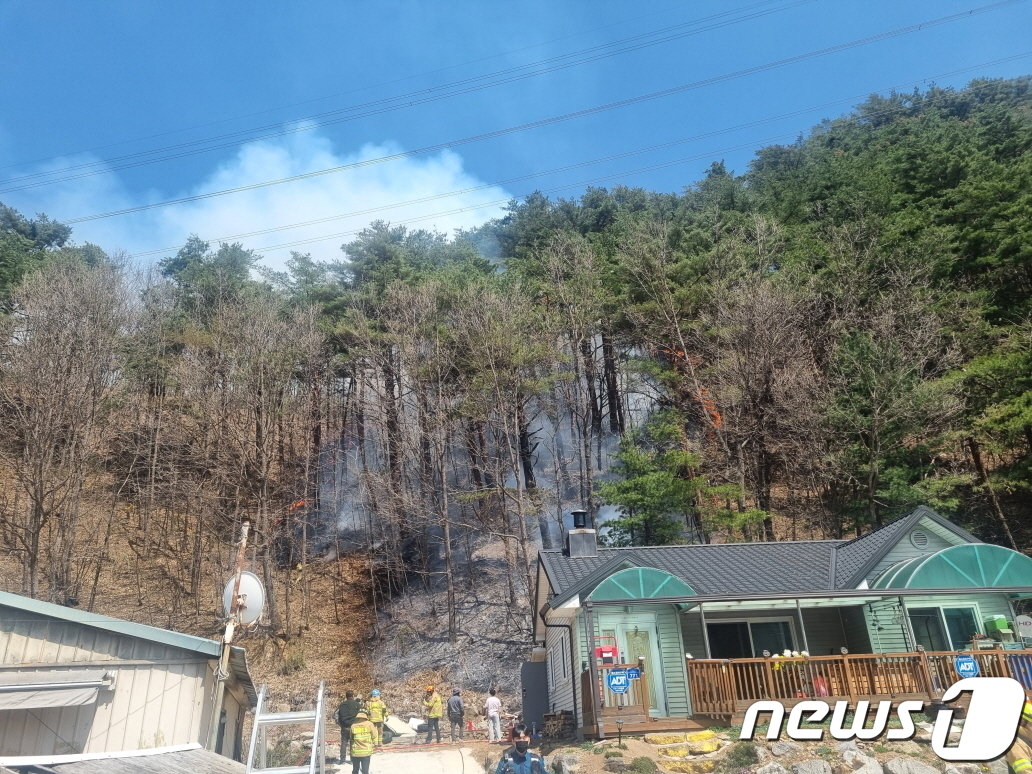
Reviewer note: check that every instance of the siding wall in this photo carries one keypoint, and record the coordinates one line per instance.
(158, 697)
(560, 681)
(904, 549)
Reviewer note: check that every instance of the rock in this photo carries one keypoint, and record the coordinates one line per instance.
(700, 736)
(907, 746)
(762, 753)
(784, 748)
(813, 766)
(962, 768)
(998, 766)
(616, 764)
(908, 766)
(666, 738)
(853, 758)
(772, 768)
(847, 745)
(567, 763)
(700, 766)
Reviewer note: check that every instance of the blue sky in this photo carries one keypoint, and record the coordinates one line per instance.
(120, 104)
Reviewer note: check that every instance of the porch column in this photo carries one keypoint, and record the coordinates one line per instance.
(589, 622)
(705, 634)
(907, 627)
(802, 627)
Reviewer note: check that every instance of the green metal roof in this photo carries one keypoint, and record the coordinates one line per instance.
(640, 583)
(975, 565)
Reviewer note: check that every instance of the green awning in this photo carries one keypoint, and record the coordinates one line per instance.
(972, 565)
(641, 583)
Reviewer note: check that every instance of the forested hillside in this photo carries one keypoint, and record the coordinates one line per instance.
(806, 349)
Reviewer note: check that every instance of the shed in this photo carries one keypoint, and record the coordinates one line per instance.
(74, 682)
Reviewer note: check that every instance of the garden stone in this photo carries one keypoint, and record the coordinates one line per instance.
(616, 764)
(962, 768)
(998, 766)
(843, 746)
(700, 766)
(762, 753)
(909, 766)
(813, 766)
(772, 768)
(784, 748)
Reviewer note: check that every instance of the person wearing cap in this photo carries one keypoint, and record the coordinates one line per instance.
(519, 759)
(434, 708)
(456, 713)
(363, 743)
(346, 713)
(378, 713)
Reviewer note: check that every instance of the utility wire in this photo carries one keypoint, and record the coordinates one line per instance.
(387, 104)
(552, 120)
(589, 162)
(565, 186)
(402, 79)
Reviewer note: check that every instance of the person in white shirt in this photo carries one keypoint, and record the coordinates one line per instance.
(493, 710)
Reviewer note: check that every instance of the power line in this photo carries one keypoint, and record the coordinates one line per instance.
(467, 63)
(565, 186)
(560, 118)
(600, 160)
(384, 105)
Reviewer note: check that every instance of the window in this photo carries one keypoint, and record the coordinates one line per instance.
(944, 628)
(748, 639)
(961, 624)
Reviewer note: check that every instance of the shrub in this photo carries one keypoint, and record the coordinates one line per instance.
(643, 764)
(740, 755)
(613, 754)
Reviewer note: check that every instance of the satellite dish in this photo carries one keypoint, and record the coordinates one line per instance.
(252, 598)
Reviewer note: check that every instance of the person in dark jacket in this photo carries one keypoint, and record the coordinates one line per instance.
(456, 714)
(519, 759)
(346, 713)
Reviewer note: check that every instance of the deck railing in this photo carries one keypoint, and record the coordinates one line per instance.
(722, 687)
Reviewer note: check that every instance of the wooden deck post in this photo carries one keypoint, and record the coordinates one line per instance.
(926, 667)
(847, 670)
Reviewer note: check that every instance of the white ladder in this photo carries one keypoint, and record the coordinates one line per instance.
(259, 736)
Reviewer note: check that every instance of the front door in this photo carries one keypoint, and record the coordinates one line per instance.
(637, 636)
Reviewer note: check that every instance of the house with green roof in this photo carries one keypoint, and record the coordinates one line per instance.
(698, 631)
(75, 683)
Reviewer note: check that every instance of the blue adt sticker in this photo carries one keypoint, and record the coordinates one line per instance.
(617, 680)
(966, 666)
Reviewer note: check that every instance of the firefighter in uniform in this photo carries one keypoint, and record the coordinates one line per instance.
(434, 708)
(1019, 756)
(363, 743)
(378, 713)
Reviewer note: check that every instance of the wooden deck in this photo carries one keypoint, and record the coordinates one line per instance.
(653, 726)
(724, 688)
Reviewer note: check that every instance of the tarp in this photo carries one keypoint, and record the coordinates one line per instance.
(42, 689)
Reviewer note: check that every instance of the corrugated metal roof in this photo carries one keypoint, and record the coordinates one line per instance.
(194, 761)
(744, 568)
(114, 625)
